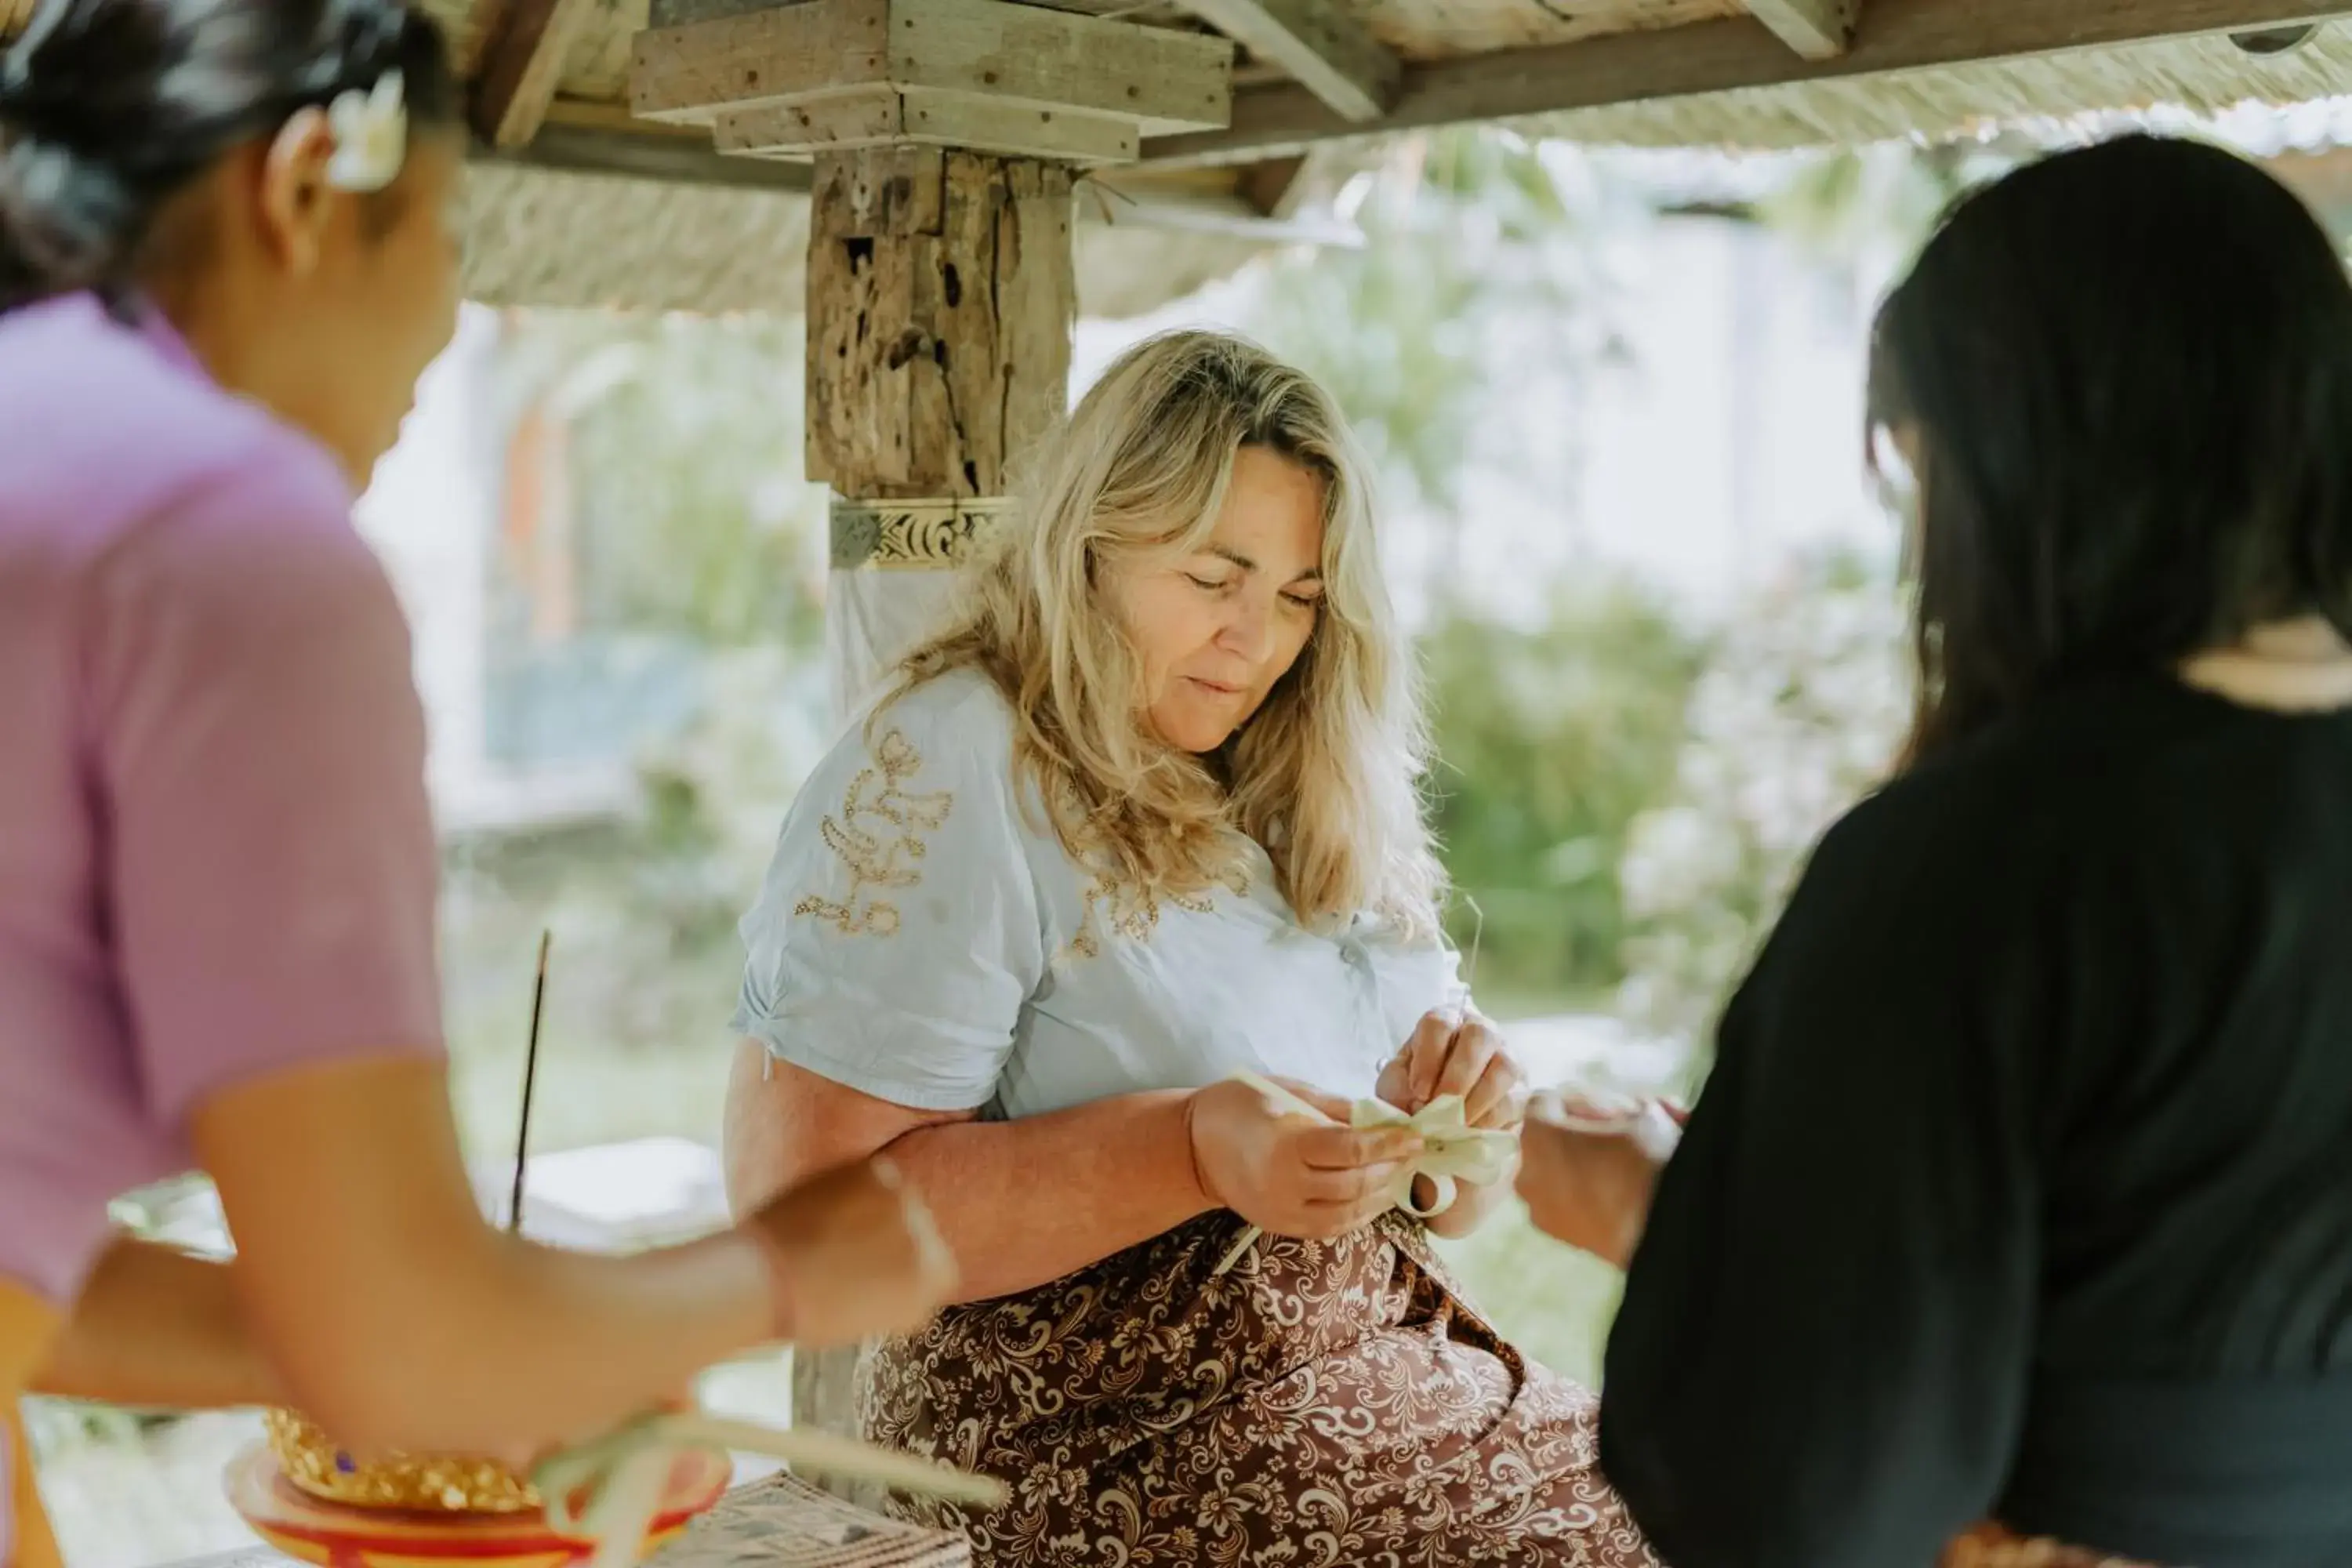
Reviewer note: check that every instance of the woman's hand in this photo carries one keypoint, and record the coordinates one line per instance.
(855, 1255)
(1456, 1054)
(1589, 1189)
(1287, 1174)
(1460, 1054)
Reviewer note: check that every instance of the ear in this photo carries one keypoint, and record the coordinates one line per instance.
(296, 199)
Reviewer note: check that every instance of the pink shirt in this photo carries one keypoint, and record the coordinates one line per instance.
(217, 858)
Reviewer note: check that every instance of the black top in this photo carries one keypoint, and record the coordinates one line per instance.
(2022, 1186)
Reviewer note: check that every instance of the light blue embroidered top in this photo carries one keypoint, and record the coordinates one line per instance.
(922, 939)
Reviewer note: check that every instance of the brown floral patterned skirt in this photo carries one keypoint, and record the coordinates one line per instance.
(1322, 1402)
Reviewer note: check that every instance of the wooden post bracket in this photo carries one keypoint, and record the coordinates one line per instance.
(521, 65)
(830, 76)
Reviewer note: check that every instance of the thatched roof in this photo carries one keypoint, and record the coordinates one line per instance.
(601, 208)
(1705, 73)
(2206, 75)
(1642, 73)
(537, 235)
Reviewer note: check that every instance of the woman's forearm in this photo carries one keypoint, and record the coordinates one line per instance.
(398, 1320)
(1023, 1203)
(533, 1344)
(156, 1326)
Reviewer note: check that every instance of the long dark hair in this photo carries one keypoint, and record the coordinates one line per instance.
(2126, 372)
(107, 108)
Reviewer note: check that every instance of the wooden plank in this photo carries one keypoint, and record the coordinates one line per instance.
(869, 117)
(664, 14)
(884, 116)
(1163, 79)
(1158, 77)
(980, 124)
(679, 13)
(645, 152)
(1894, 37)
(520, 66)
(757, 59)
(1817, 30)
(1327, 50)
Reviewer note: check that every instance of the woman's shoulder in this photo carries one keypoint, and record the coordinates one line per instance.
(956, 726)
(1955, 859)
(962, 708)
(902, 825)
(122, 424)
(938, 752)
(2032, 786)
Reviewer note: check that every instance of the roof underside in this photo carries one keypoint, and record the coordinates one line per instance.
(1679, 72)
(557, 237)
(2207, 74)
(602, 209)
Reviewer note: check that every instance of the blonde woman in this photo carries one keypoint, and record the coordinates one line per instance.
(1146, 817)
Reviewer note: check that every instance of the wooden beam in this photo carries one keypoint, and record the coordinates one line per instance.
(916, 117)
(1327, 50)
(1817, 30)
(1272, 188)
(1894, 36)
(520, 66)
(589, 139)
(645, 152)
(1160, 79)
(1279, 188)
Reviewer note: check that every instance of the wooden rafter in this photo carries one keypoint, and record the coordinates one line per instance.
(1272, 188)
(523, 61)
(590, 140)
(1817, 30)
(1897, 36)
(1325, 49)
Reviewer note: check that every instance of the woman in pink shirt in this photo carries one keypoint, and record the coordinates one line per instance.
(224, 259)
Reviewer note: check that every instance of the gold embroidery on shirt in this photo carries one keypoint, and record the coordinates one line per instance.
(878, 835)
(1125, 909)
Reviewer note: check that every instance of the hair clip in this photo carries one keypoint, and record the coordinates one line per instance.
(370, 131)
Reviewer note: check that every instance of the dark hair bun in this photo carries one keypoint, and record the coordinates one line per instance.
(109, 107)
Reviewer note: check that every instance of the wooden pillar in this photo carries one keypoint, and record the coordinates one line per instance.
(941, 291)
(941, 302)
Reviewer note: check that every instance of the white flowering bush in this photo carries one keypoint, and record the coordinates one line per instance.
(1796, 715)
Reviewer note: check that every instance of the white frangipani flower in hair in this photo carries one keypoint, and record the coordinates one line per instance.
(370, 131)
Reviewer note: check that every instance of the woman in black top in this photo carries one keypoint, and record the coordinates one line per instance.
(2022, 1187)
